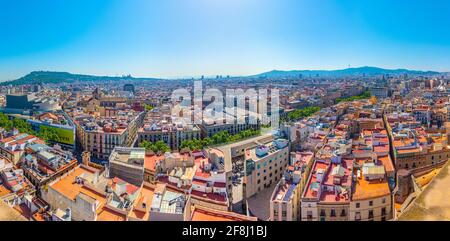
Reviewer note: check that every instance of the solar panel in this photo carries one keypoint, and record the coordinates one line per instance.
(289, 192)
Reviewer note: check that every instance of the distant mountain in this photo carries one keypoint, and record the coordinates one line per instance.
(47, 77)
(367, 71)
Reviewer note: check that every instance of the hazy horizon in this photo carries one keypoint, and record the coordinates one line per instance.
(190, 38)
(223, 75)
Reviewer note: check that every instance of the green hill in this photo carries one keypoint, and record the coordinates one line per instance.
(50, 77)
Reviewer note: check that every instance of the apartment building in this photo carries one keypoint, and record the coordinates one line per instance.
(13, 147)
(81, 190)
(100, 135)
(326, 196)
(159, 126)
(150, 163)
(374, 175)
(414, 146)
(379, 92)
(371, 197)
(265, 165)
(172, 134)
(212, 126)
(233, 157)
(327, 193)
(13, 183)
(168, 204)
(306, 134)
(42, 164)
(89, 196)
(127, 164)
(285, 200)
(199, 175)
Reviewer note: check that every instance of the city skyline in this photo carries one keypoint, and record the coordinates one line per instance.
(175, 39)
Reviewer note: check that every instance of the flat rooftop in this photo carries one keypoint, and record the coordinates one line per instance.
(365, 189)
(207, 214)
(145, 198)
(107, 214)
(150, 161)
(69, 188)
(284, 192)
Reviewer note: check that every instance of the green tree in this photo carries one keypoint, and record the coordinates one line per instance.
(207, 142)
(159, 146)
(17, 123)
(302, 113)
(365, 95)
(5, 122)
(48, 134)
(145, 144)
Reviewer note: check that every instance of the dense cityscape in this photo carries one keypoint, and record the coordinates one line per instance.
(224, 119)
(363, 145)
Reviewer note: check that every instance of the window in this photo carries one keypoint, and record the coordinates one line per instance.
(370, 214)
(322, 213)
(343, 213)
(358, 205)
(383, 211)
(370, 203)
(384, 200)
(333, 213)
(357, 216)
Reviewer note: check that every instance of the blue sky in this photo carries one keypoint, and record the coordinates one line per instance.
(182, 38)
